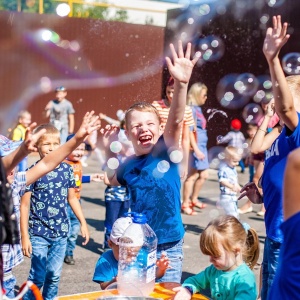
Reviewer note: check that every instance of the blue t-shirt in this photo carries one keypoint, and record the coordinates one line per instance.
(48, 216)
(153, 181)
(272, 180)
(106, 267)
(286, 284)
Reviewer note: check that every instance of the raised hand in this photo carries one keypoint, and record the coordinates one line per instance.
(109, 135)
(31, 138)
(270, 109)
(275, 39)
(89, 124)
(182, 66)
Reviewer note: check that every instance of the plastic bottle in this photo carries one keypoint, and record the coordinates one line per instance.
(137, 258)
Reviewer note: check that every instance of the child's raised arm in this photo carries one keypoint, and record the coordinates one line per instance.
(180, 69)
(53, 159)
(275, 39)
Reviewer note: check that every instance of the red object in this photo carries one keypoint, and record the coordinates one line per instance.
(170, 81)
(236, 124)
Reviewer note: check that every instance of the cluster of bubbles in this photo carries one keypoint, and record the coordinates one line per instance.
(216, 155)
(211, 48)
(235, 90)
(252, 113)
(291, 63)
(264, 91)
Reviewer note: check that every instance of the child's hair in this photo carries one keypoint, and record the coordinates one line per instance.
(193, 93)
(23, 113)
(229, 232)
(232, 152)
(170, 81)
(50, 130)
(144, 107)
(293, 82)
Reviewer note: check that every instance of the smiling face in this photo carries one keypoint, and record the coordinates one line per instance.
(77, 154)
(142, 129)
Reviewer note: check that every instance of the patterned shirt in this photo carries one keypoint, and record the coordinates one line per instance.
(229, 175)
(163, 111)
(234, 139)
(48, 216)
(13, 255)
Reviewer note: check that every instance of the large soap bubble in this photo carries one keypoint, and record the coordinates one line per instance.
(252, 113)
(291, 63)
(264, 91)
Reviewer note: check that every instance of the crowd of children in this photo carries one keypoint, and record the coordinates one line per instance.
(46, 196)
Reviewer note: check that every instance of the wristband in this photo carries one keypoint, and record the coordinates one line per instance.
(189, 289)
(262, 130)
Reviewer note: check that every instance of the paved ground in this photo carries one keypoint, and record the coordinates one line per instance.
(78, 278)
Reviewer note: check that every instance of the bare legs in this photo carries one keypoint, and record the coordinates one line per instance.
(191, 188)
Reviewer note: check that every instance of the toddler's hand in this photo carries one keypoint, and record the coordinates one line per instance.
(97, 177)
(182, 293)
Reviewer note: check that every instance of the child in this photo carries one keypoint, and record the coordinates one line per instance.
(228, 180)
(12, 255)
(61, 113)
(44, 220)
(74, 159)
(106, 269)
(152, 174)
(18, 133)
(278, 143)
(236, 139)
(233, 249)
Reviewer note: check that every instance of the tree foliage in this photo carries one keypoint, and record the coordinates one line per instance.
(79, 10)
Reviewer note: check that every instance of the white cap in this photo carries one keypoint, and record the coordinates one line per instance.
(119, 228)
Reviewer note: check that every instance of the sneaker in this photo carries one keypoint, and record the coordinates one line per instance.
(69, 260)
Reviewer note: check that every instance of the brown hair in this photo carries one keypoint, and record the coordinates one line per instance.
(50, 130)
(230, 233)
(193, 93)
(141, 106)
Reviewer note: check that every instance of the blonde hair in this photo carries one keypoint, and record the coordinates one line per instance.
(143, 107)
(50, 130)
(232, 152)
(293, 82)
(23, 113)
(230, 233)
(194, 92)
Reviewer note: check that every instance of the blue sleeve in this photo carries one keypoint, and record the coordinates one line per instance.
(86, 179)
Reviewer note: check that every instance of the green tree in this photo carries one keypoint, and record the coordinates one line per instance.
(79, 10)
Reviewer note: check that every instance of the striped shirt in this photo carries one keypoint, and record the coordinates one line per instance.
(163, 111)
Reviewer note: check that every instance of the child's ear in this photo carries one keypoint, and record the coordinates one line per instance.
(109, 242)
(237, 250)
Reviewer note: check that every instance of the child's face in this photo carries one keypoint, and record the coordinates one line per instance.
(47, 144)
(60, 95)
(170, 93)
(114, 248)
(25, 120)
(77, 154)
(251, 132)
(227, 261)
(202, 97)
(233, 161)
(143, 130)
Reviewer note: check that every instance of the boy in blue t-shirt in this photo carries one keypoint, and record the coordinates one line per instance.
(152, 174)
(106, 269)
(44, 220)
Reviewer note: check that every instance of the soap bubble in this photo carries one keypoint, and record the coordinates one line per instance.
(252, 113)
(275, 3)
(229, 94)
(264, 91)
(219, 138)
(291, 63)
(211, 48)
(115, 147)
(163, 166)
(113, 163)
(246, 84)
(204, 9)
(176, 156)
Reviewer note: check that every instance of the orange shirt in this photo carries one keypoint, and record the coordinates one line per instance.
(77, 169)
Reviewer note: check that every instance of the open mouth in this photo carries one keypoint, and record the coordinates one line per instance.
(145, 140)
